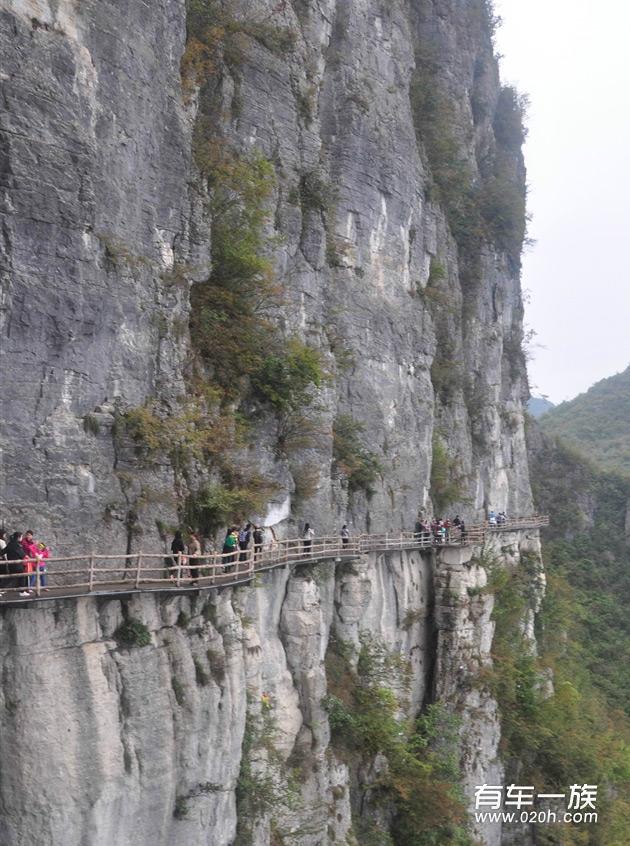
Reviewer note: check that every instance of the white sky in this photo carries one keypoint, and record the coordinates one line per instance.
(571, 58)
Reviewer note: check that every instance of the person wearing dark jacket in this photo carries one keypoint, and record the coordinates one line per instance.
(14, 554)
(177, 546)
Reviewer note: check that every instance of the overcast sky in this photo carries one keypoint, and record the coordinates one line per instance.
(571, 58)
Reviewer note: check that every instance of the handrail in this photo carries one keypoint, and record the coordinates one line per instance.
(142, 571)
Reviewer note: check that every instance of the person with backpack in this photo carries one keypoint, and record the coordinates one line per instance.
(244, 537)
(259, 540)
(345, 535)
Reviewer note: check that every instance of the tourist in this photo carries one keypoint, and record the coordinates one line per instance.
(230, 545)
(4, 570)
(259, 539)
(43, 554)
(178, 547)
(492, 518)
(307, 538)
(30, 561)
(194, 553)
(244, 537)
(345, 535)
(14, 554)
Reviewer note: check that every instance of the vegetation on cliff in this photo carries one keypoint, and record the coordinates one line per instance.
(410, 766)
(565, 708)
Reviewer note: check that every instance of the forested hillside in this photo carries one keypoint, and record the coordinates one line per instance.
(584, 633)
(597, 422)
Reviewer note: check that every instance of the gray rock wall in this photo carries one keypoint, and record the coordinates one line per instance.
(96, 162)
(102, 201)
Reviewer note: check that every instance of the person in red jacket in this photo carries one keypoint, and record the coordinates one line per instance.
(30, 550)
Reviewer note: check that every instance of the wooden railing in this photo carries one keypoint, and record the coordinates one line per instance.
(110, 574)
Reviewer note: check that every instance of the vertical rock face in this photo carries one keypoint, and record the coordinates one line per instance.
(415, 311)
(96, 158)
(104, 232)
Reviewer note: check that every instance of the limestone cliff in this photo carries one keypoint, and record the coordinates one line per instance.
(387, 148)
(392, 252)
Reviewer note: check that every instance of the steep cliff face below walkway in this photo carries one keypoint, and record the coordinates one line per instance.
(105, 744)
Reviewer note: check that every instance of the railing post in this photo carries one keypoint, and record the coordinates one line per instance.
(138, 565)
(38, 581)
(91, 578)
(179, 569)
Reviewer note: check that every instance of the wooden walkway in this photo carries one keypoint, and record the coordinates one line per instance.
(114, 575)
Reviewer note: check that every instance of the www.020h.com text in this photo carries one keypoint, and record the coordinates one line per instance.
(541, 817)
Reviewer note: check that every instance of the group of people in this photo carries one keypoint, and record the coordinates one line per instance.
(439, 531)
(22, 558)
(495, 519)
(236, 545)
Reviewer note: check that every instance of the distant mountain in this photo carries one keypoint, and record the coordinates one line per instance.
(539, 405)
(597, 422)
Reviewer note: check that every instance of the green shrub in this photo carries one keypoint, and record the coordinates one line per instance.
(435, 121)
(230, 327)
(220, 504)
(215, 35)
(183, 620)
(447, 480)
(447, 375)
(509, 119)
(502, 203)
(132, 633)
(286, 379)
(358, 465)
(316, 194)
(91, 425)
